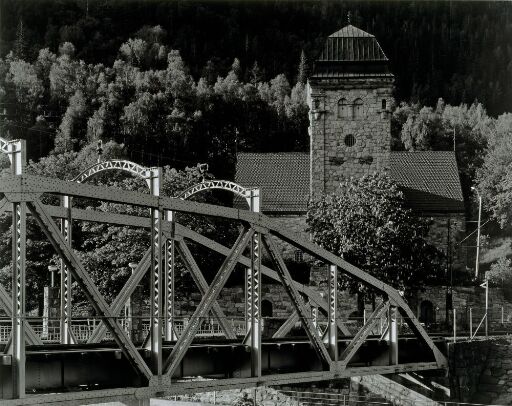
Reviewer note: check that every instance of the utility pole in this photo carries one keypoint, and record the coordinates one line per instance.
(477, 260)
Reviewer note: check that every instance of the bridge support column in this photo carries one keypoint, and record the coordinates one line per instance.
(18, 299)
(253, 289)
(65, 279)
(156, 288)
(332, 336)
(393, 335)
(169, 273)
(17, 156)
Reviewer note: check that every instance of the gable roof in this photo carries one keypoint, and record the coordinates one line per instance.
(430, 180)
(283, 179)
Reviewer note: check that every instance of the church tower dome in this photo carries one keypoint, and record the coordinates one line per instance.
(349, 96)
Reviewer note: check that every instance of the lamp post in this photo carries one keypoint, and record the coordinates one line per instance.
(477, 260)
(52, 269)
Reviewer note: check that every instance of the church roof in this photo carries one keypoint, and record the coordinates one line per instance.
(349, 51)
(429, 179)
(283, 179)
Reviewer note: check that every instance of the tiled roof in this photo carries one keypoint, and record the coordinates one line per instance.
(283, 179)
(351, 50)
(430, 180)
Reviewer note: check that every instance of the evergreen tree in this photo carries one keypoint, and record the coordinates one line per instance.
(20, 44)
(302, 76)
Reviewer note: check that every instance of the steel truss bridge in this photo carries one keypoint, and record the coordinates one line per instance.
(169, 360)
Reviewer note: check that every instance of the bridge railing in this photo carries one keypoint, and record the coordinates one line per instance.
(469, 323)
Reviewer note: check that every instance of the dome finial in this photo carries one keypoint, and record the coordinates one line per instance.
(349, 14)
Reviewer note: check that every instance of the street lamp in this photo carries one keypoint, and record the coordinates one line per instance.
(52, 269)
(478, 230)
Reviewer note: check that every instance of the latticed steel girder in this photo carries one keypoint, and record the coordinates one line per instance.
(216, 184)
(117, 165)
(87, 284)
(206, 303)
(25, 188)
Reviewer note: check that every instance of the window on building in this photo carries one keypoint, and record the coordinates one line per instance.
(299, 256)
(344, 109)
(358, 108)
(350, 140)
(383, 104)
(266, 308)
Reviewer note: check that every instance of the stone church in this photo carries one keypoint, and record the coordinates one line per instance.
(349, 94)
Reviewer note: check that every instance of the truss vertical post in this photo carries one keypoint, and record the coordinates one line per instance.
(17, 156)
(393, 335)
(253, 288)
(65, 278)
(169, 275)
(18, 298)
(332, 328)
(156, 288)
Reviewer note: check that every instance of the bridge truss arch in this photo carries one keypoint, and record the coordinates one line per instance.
(152, 176)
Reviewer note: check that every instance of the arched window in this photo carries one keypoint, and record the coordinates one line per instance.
(266, 308)
(383, 104)
(344, 109)
(358, 109)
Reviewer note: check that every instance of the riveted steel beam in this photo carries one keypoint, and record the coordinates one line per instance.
(35, 184)
(362, 334)
(19, 238)
(87, 284)
(297, 300)
(206, 303)
(332, 316)
(66, 335)
(286, 327)
(201, 283)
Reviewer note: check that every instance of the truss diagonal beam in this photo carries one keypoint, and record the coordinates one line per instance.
(313, 296)
(136, 221)
(4, 205)
(201, 283)
(362, 334)
(206, 303)
(286, 327)
(87, 284)
(123, 296)
(297, 300)
(6, 305)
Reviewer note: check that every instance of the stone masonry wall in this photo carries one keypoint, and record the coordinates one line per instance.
(295, 223)
(481, 371)
(444, 233)
(331, 158)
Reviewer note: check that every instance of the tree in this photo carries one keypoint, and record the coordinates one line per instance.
(20, 45)
(367, 223)
(494, 178)
(302, 75)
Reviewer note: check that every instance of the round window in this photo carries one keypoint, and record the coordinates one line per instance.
(350, 140)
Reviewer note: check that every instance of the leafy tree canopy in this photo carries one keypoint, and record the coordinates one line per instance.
(367, 224)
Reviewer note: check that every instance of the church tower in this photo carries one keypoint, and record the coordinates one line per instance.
(349, 97)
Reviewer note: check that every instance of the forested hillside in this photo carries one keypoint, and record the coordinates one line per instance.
(460, 51)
